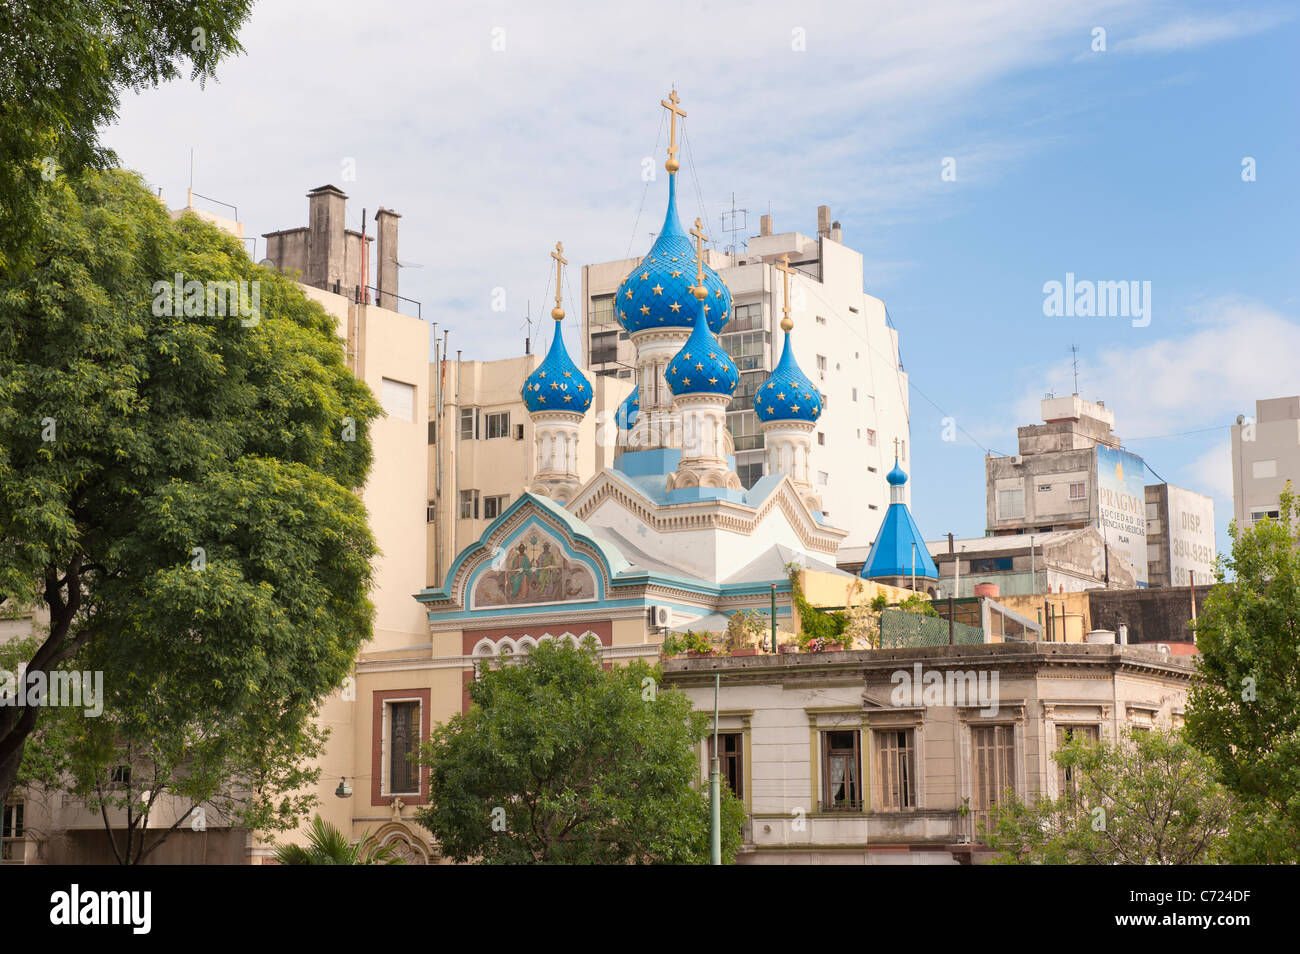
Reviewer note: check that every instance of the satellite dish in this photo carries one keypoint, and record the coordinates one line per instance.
(1241, 419)
(267, 262)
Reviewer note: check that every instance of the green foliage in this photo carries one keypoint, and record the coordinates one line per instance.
(326, 845)
(559, 761)
(920, 604)
(818, 628)
(183, 492)
(63, 68)
(1244, 711)
(879, 602)
(1152, 799)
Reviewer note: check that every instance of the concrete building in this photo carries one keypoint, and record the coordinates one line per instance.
(845, 341)
(1071, 472)
(1265, 455)
(845, 758)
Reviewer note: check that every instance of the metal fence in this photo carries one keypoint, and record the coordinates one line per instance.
(902, 630)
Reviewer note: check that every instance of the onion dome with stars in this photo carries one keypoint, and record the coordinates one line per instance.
(557, 384)
(657, 293)
(702, 366)
(788, 394)
(625, 416)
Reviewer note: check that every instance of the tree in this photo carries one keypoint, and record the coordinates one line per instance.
(559, 761)
(1244, 711)
(1150, 799)
(180, 485)
(326, 845)
(63, 68)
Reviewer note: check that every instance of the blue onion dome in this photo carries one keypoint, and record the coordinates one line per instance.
(625, 416)
(657, 293)
(702, 366)
(896, 477)
(557, 384)
(788, 394)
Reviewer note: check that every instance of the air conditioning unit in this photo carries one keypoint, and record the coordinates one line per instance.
(660, 616)
(1017, 460)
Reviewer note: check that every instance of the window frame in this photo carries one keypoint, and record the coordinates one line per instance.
(853, 802)
(904, 797)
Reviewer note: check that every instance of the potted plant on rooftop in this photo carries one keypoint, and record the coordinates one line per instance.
(744, 630)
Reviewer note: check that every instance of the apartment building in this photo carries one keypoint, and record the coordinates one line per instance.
(1265, 455)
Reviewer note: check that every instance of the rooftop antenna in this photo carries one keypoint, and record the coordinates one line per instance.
(1075, 352)
(528, 339)
(736, 220)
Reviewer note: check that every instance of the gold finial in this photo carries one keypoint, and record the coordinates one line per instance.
(895, 450)
(560, 261)
(783, 266)
(699, 291)
(670, 104)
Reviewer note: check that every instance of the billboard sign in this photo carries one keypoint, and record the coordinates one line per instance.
(1191, 537)
(1121, 506)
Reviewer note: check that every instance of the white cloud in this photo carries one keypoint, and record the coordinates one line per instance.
(1188, 33)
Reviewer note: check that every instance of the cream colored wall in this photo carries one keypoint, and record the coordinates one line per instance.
(1077, 616)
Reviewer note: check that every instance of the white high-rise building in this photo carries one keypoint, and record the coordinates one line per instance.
(845, 344)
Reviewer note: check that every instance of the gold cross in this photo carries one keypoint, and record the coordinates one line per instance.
(560, 261)
(670, 104)
(895, 449)
(783, 266)
(699, 290)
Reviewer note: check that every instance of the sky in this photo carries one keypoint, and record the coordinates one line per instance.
(973, 152)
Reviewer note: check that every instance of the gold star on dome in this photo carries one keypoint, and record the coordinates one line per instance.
(568, 374)
(674, 258)
(676, 307)
(645, 276)
(622, 314)
(629, 293)
(686, 381)
(673, 369)
(568, 397)
(713, 380)
(541, 398)
(582, 387)
(712, 355)
(706, 309)
(541, 374)
(718, 293)
(771, 384)
(688, 356)
(724, 316)
(645, 309)
(658, 289)
(676, 273)
(770, 409)
(698, 366)
(794, 407)
(555, 386)
(781, 396)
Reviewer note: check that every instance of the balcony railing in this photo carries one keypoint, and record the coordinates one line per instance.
(843, 805)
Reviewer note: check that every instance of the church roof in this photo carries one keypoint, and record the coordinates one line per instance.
(703, 365)
(557, 384)
(788, 394)
(657, 293)
(625, 416)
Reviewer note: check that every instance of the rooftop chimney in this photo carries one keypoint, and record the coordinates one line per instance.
(765, 225)
(325, 220)
(386, 280)
(823, 221)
